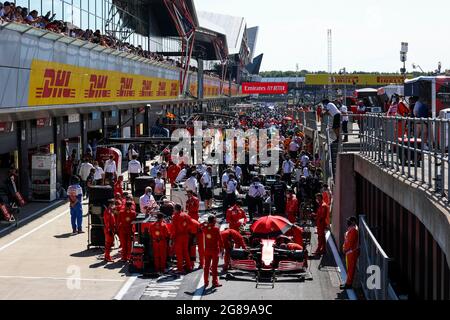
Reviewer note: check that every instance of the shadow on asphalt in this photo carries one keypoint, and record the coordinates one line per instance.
(87, 253)
(209, 291)
(97, 265)
(117, 265)
(65, 236)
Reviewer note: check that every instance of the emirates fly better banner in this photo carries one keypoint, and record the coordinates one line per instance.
(265, 88)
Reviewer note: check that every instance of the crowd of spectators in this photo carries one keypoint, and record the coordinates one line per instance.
(9, 12)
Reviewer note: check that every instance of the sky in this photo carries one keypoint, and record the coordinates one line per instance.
(367, 34)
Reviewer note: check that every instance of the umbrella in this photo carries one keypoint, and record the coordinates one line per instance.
(271, 227)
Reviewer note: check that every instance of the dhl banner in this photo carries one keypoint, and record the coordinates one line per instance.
(56, 83)
(354, 79)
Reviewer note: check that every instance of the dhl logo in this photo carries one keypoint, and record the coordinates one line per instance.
(126, 88)
(146, 89)
(56, 85)
(388, 80)
(97, 87)
(173, 89)
(162, 92)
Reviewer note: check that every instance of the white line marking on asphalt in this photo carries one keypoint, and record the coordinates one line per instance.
(33, 231)
(123, 291)
(58, 278)
(350, 293)
(198, 294)
(55, 206)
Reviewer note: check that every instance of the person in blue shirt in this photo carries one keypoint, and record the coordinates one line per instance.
(75, 194)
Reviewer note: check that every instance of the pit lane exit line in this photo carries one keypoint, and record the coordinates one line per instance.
(123, 291)
(60, 278)
(33, 231)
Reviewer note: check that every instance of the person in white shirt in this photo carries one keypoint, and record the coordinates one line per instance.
(160, 187)
(181, 175)
(132, 153)
(304, 159)
(256, 193)
(134, 171)
(111, 170)
(306, 172)
(85, 170)
(155, 169)
(344, 112)
(147, 202)
(287, 168)
(238, 173)
(298, 172)
(230, 190)
(99, 174)
(225, 178)
(206, 193)
(333, 111)
(191, 184)
(293, 149)
(201, 168)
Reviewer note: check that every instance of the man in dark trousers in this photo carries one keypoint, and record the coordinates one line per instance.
(278, 190)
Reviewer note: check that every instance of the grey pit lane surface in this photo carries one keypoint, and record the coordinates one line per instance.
(324, 285)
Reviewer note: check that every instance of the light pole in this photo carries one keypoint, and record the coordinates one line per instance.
(404, 57)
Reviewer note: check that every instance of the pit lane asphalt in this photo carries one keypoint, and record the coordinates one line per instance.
(322, 284)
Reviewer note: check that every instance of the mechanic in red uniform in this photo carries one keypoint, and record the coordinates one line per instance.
(129, 197)
(234, 214)
(196, 239)
(321, 222)
(327, 198)
(296, 233)
(126, 217)
(292, 207)
(118, 186)
(181, 223)
(231, 239)
(160, 237)
(192, 205)
(351, 250)
(172, 172)
(213, 247)
(109, 229)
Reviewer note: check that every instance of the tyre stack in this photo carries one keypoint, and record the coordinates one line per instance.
(98, 201)
(139, 186)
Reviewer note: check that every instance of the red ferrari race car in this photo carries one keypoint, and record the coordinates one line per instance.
(270, 253)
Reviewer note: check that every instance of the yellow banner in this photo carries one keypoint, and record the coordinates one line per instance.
(56, 83)
(354, 79)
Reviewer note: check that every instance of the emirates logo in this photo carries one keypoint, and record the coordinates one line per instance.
(157, 233)
(208, 236)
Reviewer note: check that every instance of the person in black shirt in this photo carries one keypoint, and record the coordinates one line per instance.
(278, 190)
(90, 182)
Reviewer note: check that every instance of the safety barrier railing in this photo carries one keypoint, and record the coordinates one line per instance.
(311, 120)
(416, 149)
(373, 266)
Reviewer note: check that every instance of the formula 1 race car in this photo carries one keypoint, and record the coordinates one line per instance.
(269, 255)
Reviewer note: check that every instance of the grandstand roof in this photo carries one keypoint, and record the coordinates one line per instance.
(252, 35)
(234, 28)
